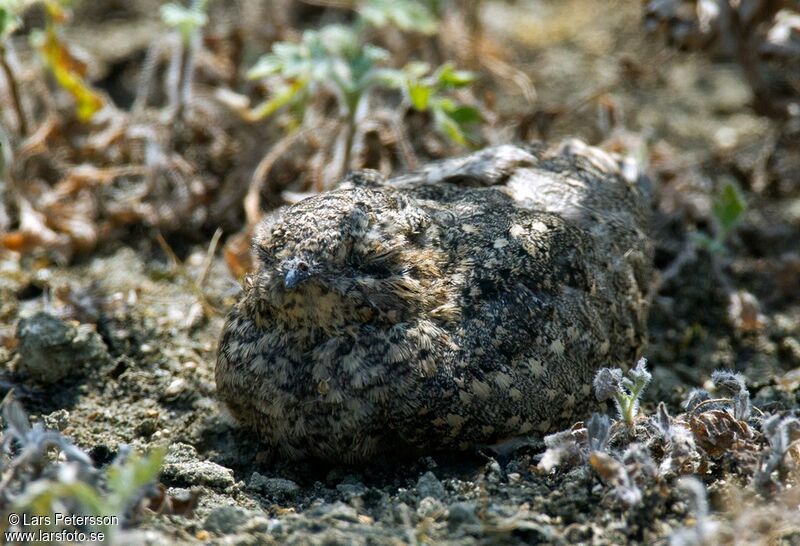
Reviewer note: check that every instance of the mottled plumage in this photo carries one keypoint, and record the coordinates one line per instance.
(464, 304)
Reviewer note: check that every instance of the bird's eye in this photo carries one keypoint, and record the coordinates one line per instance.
(302, 266)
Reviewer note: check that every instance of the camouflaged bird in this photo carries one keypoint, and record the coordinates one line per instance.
(464, 304)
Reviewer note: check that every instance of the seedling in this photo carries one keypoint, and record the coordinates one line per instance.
(187, 22)
(705, 529)
(625, 391)
(426, 91)
(776, 429)
(727, 212)
(337, 60)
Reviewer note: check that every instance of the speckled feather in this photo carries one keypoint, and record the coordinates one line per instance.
(464, 304)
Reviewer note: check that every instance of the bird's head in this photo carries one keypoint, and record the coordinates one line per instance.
(357, 254)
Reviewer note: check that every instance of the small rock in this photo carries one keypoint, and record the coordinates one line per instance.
(176, 388)
(279, 488)
(350, 490)
(494, 474)
(226, 520)
(199, 473)
(180, 452)
(182, 468)
(51, 349)
(430, 508)
(351, 487)
(195, 317)
(429, 485)
(462, 513)
(57, 420)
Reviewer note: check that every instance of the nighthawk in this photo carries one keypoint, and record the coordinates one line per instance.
(467, 303)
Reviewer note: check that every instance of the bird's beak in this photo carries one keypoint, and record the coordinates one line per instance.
(293, 277)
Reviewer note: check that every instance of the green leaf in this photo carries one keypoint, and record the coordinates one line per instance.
(389, 77)
(185, 19)
(339, 40)
(448, 76)
(9, 16)
(465, 114)
(375, 53)
(283, 96)
(408, 15)
(416, 69)
(265, 66)
(137, 471)
(709, 243)
(419, 95)
(448, 126)
(728, 207)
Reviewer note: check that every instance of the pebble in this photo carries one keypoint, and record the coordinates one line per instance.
(462, 513)
(181, 467)
(430, 508)
(338, 511)
(176, 388)
(429, 485)
(279, 488)
(494, 473)
(225, 520)
(52, 349)
(351, 487)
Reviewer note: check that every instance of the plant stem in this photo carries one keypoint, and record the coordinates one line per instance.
(187, 72)
(626, 405)
(348, 144)
(190, 43)
(14, 91)
(353, 105)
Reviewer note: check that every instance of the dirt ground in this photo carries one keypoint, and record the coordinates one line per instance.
(685, 115)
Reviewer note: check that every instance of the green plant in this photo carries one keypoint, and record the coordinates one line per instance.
(188, 23)
(186, 20)
(336, 60)
(408, 15)
(426, 91)
(35, 483)
(625, 391)
(127, 481)
(727, 211)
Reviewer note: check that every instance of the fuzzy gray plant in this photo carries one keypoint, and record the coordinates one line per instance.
(609, 383)
(733, 385)
(36, 482)
(705, 529)
(776, 429)
(33, 445)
